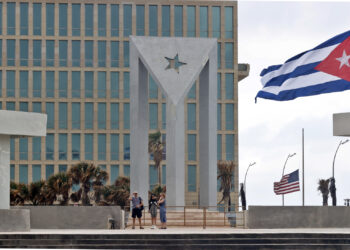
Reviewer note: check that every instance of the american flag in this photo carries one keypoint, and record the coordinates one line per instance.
(288, 184)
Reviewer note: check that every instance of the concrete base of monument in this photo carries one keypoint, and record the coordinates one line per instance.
(298, 217)
(14, 220)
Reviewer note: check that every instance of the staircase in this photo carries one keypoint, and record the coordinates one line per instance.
(191, 218)
(179, 241)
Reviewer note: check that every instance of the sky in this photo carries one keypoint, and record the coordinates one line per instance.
(269, 33)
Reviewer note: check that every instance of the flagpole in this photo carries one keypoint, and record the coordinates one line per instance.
(303, 193)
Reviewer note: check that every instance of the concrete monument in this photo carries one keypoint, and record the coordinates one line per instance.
(174, 64)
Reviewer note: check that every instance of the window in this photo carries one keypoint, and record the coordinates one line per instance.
(228, 22)
(11, 52)
(153, 20)
(23, 173)
(50, 53)
(191, 178)
(114, 54)
(219, 116)
(50, 19)
(101, 115)
(114, 147)
(126, 85)
(76, 115)
(203, 21)
(229, 116)
(75, 147)
(50, 84)
(23, 50)
(114, 173)
(36, 173)
(164, 175)
(62, 19)
(153, 177)
(140, 20)
(62, 168)
(219, 147)
(76, 19)
(229, 55)
(0, 18)
(10, 106)
(36, 19)
(36, 148)
(50, 169)
(126, 148)
(76, 53)
(24, 18)
(192, 93)
(191, 116)
(10, 83)
(229, 86)
(89, 115)
(152, 89)
(178, 17)
(163, 115)
(62, 115)
(0, 42)
(36, 52)
(0, 86)
(101, 147)
(12, 148)
(63, 45)
(23, 106)
(153, 116)
(114, 115)
(126, 54)
(126, 170)
(50, 143)
(114, 84)
(102, 53)
(89, 146)
(114, 20)
(101, 84)
(89, 84)
(23, 83)
(126, 119)
(219, 86)
(101, 20)
(23, 148)
(230, 147)
(50, 111)
(127, 20)
(89, 53)
(37, 107)
(75, 84)
(191, 147)
(191, 21)
(89, 19)
(11, 18)
(62, 147)
(62, 84)
(216, 21)
(165, 20)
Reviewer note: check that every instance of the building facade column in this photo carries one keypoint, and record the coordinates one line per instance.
(5, 171)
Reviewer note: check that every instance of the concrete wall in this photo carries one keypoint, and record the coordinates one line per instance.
(70, 217)
(341, 124)
(298, 217)
(12, 220)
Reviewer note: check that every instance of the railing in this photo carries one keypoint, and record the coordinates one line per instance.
(194, 216)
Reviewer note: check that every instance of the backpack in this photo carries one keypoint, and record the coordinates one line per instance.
(141, 208)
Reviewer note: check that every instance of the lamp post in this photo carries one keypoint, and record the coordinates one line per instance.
(245, 177)
(332, 187)
(243, 189)
(289, 156)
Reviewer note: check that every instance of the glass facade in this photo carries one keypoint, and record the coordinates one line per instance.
(71, 61)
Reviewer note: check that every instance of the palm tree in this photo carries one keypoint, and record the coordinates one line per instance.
(118, 194)
(100, 177)
(225, 175)
(155, 148)
(36, 194)
(85, 174)
(323, 188)
(59, 184)
(19, 193)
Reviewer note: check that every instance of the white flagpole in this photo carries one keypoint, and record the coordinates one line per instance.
(303, 193)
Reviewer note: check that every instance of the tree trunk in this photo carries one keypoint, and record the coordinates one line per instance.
(325, 199)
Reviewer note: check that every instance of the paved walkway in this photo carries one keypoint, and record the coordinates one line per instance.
(186, 230)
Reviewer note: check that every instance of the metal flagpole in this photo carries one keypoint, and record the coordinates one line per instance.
(303, 167)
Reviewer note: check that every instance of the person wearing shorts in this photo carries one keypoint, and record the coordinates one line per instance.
(136, 208)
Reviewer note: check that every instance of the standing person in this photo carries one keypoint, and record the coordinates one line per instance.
(153, 210)
(162, 210)
(137, 207)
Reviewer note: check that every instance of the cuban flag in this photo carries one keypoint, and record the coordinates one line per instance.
(323, 69)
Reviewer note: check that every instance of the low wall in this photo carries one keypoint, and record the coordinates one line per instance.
(12, 220)
(298, 217)
(70, 217)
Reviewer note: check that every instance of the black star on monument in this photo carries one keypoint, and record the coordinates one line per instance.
(174, 63)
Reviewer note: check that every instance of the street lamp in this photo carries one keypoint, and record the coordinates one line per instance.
(289, 156)
(340, 143)
(243, 188)
(245, 177)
